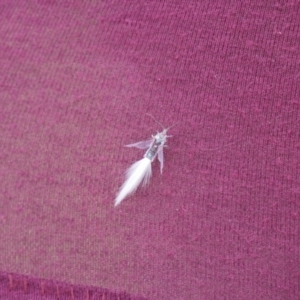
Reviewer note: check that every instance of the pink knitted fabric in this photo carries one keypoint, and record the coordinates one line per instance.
(77, 80)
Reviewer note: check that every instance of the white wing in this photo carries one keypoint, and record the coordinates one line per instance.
(160, 156)
(141, 145)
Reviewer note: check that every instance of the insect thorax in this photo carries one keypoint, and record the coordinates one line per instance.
(158, 141)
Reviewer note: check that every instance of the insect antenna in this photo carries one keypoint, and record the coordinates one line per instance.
(156, 121)
(161, 124)
(172, 126)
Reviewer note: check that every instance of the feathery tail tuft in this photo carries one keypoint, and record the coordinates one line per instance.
(138, 172)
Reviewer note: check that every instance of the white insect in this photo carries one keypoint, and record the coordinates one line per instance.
(141, 171)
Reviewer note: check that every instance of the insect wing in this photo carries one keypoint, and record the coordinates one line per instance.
(160, 156)
(141, 145)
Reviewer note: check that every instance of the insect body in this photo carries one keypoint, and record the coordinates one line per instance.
(141, 171)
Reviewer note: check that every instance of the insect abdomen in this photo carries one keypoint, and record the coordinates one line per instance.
(152, 151)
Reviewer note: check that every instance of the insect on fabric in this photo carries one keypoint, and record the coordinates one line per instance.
(140, 171)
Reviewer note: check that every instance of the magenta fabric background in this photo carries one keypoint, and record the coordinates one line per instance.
(76, 82)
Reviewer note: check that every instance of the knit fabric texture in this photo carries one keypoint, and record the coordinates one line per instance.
(77, 80)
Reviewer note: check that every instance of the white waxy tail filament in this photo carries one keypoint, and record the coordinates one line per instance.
(138, 172)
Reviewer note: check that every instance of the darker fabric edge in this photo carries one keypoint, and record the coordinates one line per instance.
(17, 286)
